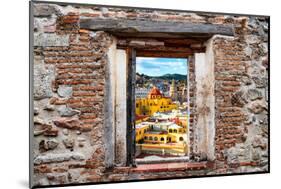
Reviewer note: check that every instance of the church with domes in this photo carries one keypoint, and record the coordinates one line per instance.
(154, 102)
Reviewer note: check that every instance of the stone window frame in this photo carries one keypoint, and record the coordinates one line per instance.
(202, 138)
(200, 149)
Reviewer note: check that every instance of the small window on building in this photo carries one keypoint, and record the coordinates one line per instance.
(155, 138)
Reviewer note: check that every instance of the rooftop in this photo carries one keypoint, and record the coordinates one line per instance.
(154, 92)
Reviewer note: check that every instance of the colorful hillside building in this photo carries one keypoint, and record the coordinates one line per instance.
(154, 102)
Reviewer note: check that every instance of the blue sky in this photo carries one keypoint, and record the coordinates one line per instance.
(161, 66)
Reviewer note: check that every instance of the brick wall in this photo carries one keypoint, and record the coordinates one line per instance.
(241, 103)
(70, 74)
(69, 108)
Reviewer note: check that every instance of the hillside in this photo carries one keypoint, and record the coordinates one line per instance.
(163, 77)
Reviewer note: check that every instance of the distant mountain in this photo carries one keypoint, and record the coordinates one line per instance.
(163, 77)
(172, 76)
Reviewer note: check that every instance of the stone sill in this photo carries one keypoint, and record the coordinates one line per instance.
(163, 160)
(163, 167)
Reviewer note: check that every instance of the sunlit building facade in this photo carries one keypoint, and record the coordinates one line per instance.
(154, 102)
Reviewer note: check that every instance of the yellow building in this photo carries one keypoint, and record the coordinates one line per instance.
(174, 134)
(155, 102)
(171, 142)
(141, 129)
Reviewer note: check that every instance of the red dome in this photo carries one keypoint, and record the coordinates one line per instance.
(154, 93)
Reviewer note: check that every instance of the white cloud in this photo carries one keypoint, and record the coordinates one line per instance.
(160, 66)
